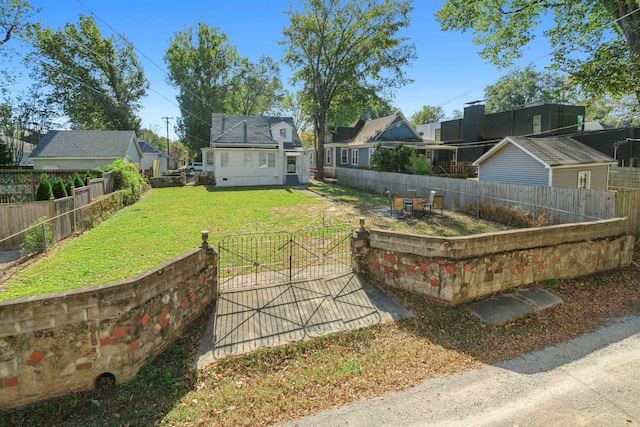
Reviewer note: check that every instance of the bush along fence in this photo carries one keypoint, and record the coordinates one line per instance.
(531, 204)
(65, 215)
(457, 270)
(73, 341)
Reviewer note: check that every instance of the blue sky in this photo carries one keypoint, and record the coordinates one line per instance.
(448, 71)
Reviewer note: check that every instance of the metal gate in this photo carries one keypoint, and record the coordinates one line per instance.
(282, 257)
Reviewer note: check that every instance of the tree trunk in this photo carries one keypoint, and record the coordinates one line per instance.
(629, 23)
(320, 124)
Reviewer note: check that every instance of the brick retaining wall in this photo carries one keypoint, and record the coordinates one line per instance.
(57, 343)
(460, 269)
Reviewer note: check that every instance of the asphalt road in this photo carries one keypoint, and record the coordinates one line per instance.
(593, 380)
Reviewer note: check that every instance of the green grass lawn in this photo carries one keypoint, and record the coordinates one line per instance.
(168, 222)
(164, 224)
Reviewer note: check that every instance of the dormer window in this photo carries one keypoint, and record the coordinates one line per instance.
(283, 133)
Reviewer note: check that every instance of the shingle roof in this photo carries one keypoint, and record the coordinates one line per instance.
(560, 150)
(145, 147)
(84, 144)
(232, 129)
(371, 130)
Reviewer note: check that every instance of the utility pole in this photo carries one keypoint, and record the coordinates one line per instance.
(166, 119)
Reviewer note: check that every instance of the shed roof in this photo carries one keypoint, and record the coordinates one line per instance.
(85, 144)
(552, 151)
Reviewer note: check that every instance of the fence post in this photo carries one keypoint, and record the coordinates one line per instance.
(89, 185)
(44, 236)
(73, 207)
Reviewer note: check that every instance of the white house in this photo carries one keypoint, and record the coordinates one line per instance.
(255, 150)
(85, 149)
(555, 161)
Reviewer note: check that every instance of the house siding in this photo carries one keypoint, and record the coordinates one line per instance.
(133, 155)
(236, 174)
(511, 165)
(568, 177)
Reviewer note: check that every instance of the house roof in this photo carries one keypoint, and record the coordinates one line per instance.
(145, 147)
(231, 129)
(370, 131)
(552, 151)
(85, 144)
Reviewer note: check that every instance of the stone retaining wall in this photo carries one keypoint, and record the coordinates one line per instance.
(57, 343)
(460, 269)
(169, 181)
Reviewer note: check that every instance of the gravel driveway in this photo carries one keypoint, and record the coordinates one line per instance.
(593, 380)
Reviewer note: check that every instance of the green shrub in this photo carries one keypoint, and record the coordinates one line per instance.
(68, 184)
(39, 237)
(44, 191)
(127, 177)
(58, 188)
(78, 181)
(419, 165)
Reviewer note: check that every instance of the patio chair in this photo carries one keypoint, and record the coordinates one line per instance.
(438, 203)
(429, 203)
(398, 205)
(418, 207)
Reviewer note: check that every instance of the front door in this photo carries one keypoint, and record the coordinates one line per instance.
(291, 164)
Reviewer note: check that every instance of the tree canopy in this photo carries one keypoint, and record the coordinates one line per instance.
(428, 114)
(597, 42)
(522, 87)
(97, 82)
(212, 78)
(256, 88)
(15, 18)
(346, 51)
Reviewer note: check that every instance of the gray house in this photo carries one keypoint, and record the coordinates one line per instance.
(556, 161)
(85, 149)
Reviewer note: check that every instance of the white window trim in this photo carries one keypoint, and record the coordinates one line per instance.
(327, 156)
(224, 160)
(344, 156)
(354, 157)
(587, 174)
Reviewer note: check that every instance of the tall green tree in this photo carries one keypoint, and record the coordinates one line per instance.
(346, 50)
(256, 88)
(201, 63)
(15, 18)
(6, 159)
(528, 86)
(97, 82)
(428, 114)
(597, 42)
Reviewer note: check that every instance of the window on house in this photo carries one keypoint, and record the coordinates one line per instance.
(580, 126)
(327, 155)
(210, 158)
(247, 160)
(224, 160)
(584, 179)
(267, 160)
(438, 134)
(283, 132)
(537, 123)
(344, 156)
(354, 157)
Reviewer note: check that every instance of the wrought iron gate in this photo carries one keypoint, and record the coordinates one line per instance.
(282, 257)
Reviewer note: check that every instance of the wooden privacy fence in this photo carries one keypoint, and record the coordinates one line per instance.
(19, 186)
(559, 205)
(17, 217)
(624, 179)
